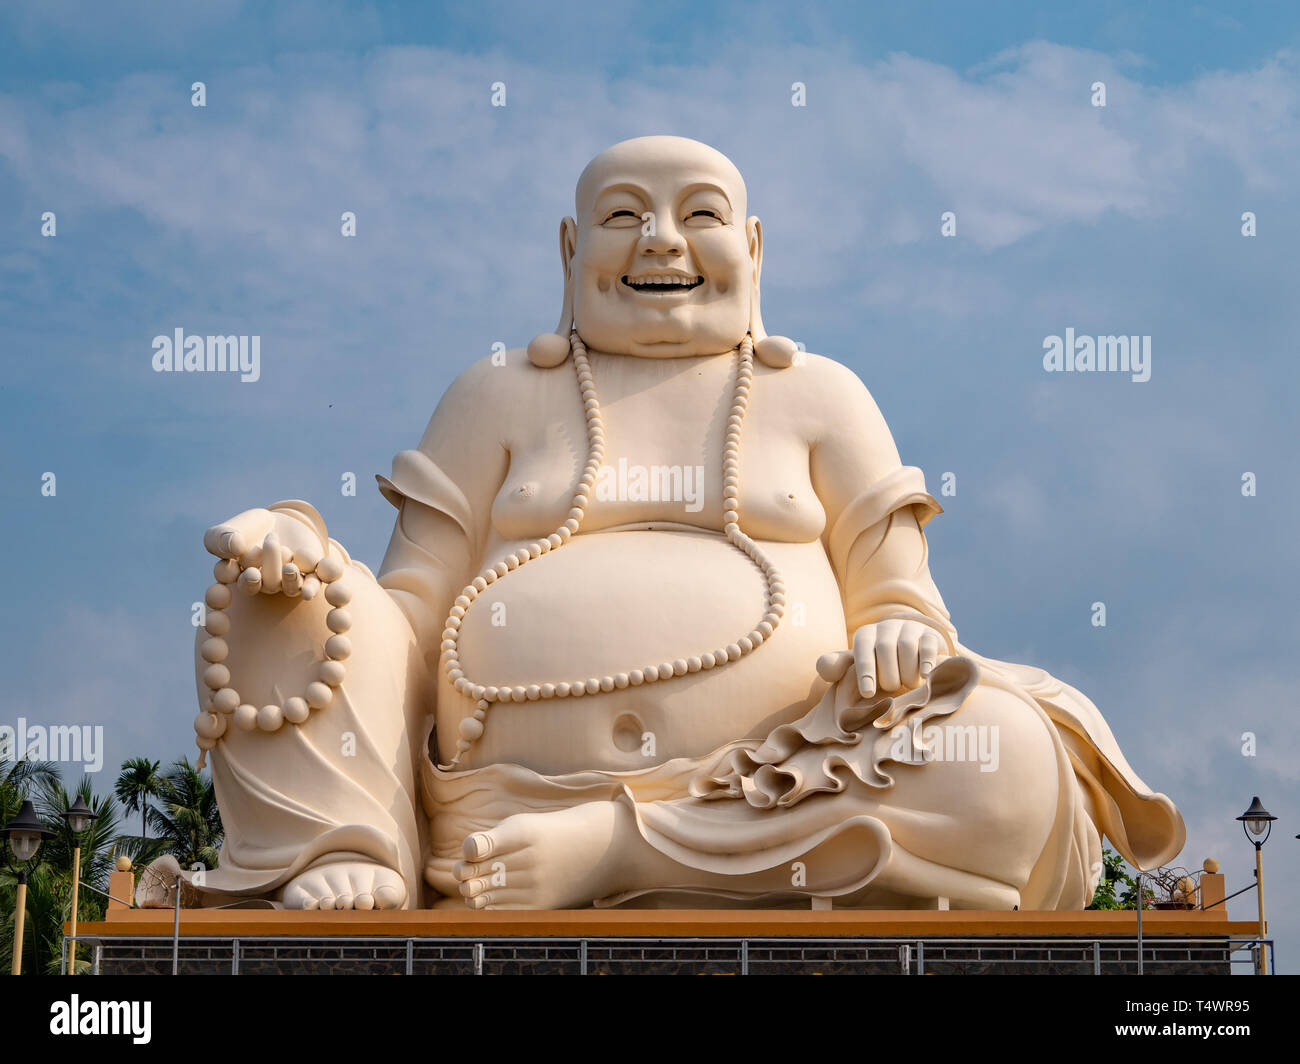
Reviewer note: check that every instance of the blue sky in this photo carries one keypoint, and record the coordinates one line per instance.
(1071, 489)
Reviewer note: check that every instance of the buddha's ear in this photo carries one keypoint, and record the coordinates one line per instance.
(568, 246)
(754, 238)
(775, 351)
(551, 349)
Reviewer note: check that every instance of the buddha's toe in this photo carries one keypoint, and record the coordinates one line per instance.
(338, 885)
(390, 895)
(305, 891)
(345, 885)
(467, 870)
(478, 845)
(505, 841)
(472, 888)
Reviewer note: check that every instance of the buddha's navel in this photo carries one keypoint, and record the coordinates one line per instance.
(629, 733)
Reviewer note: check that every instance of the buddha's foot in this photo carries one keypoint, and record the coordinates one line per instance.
(345, 885)
(561, 860)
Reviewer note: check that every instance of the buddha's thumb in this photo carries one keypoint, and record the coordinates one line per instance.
(832, 667)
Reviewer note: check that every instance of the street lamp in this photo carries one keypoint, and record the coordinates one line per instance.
(78, 817)
(1257, 823)
(25, 834)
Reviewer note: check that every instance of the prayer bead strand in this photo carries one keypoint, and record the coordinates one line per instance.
(471, 728)
(225, 703)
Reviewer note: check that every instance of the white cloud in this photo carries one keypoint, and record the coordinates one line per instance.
(228, 220)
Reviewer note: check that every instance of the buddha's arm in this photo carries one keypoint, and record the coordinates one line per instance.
(875, 508)
(426, 561)
(443, 491)
(887, 575)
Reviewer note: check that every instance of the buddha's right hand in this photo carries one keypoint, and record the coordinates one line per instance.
(895, 654)
(281, 549)
(277, 549)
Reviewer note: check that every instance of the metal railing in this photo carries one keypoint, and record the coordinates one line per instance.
(148, 954)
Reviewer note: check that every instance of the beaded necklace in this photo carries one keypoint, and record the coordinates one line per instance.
(225, 703)
(485, 695)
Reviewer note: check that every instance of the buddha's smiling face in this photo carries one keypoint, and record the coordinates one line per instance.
(663, 261)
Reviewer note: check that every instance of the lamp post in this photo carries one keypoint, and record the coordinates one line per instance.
(1257, 823)
(25, 834)
(1139, 912)
(78, 817)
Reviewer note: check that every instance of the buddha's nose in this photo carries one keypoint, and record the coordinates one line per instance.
(664, 240)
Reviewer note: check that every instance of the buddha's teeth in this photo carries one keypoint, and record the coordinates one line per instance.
(665, 280)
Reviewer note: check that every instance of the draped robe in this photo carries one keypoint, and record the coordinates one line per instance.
(821, 789)
(815, 785)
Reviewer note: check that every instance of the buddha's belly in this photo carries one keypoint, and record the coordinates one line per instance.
(613, 602)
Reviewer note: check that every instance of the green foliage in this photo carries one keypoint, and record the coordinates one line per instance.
(137, 783)
(1115, 877)
(185, 821)
(16, 780)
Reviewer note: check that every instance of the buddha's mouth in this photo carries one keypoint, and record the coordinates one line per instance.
(662, 282)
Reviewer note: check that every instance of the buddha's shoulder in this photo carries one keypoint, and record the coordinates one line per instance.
(500, 379)
(826, 382)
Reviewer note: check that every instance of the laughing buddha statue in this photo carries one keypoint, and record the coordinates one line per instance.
(576, 683)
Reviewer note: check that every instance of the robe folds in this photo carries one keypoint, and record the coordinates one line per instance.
(874, 821)
(818, 789)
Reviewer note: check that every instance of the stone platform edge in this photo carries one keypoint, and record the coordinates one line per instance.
(662, 923)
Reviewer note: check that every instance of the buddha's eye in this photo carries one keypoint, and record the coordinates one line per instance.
(623, 218)
(703, 217)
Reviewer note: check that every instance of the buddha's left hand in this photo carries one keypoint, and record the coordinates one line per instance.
(888, 656)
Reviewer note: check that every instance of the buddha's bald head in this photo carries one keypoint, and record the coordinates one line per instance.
(660, 259)
(646, 156)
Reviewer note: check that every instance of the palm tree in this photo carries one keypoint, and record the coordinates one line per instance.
(186, 819)
(137, 783)
(49, 885)
(17, 778)
(98, 846)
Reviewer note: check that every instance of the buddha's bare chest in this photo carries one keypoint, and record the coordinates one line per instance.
(663, 460)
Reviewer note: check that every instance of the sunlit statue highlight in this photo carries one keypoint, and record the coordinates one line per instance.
(655, 628)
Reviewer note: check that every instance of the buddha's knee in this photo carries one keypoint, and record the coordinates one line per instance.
(989, 793)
